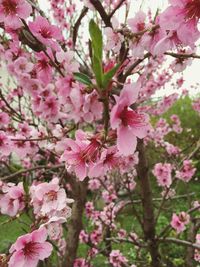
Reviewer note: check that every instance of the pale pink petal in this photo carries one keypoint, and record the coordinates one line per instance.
(17, 260)
(81, 171)
(126, 141)
(130, 93)
(21, 241)
(39, 235)
(45, 250)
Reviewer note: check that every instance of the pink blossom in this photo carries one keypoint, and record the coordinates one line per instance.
(45, 32)
(4, 119)
(22, 65)
(12, 200)
(182, 17)
(187, 171)
(80, 154)
(11, 11)
(197, 253)
(196, 105)
(107, 162)
(5, 144)
(137, 24)
(68, 61)
(117, 259)
(29, 249)
(44, 70)
(179, 222)
(129, 123)
(163, 174)
(48, 197)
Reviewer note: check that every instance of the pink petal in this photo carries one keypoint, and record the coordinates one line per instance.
(126, 141)
(130, 93)
(45, 250)
(17, 260)
(81, 171)
(39, 235)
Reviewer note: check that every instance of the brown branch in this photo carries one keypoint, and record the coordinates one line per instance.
(133, 66)
(179, 242)
(21, 172)
(36, 8)
(77, 25)
(116, 8)
(147, 204)
(79, 194)
(182, 55)
(105, 17)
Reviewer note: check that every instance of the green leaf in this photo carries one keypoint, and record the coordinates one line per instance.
(96, 39)
(97, 69)
(82, 78)
(25, 186)
(107, 77)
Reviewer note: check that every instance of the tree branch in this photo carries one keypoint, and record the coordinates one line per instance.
(21, 172)
(77, 25)
(105, 17)
(116, 8)
(179, 242)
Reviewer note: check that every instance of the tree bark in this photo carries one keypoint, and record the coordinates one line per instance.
(147, 204)
(79, 193)
(189, 259)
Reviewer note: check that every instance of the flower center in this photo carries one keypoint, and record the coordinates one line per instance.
(46, 33)
(193, 9)
(91, 151)
(30, 250)
(10, 7)
(132, 118)
(52, 195)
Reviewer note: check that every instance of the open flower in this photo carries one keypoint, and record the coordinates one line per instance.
(29, 249)
(45, 32)
(12, 10)
(129, 123)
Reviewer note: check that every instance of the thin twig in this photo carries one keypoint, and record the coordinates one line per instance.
(21, 172)
(105, 17)
(180, 242)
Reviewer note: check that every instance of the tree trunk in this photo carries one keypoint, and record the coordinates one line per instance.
(147, 204)
(189, 259)
(79, 193)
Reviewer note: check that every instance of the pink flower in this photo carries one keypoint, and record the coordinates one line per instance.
(29, 249)
(163, 174)
(182, 16)
(48, 197)
(11, 202)
(12, 10)
(80, 154)
(117, 259)
(45, 32)
(5, 144)
(197, 252)
(4, 119)
(137, 24)
(44, 70)
(178, 222)
(107, 162)
(129, 123)
(22, 65)
(196, 105)
(187, 171)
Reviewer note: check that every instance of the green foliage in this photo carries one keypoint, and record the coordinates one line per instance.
(97, 51)
(102, 79)
(83, 78)
(107, 77)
